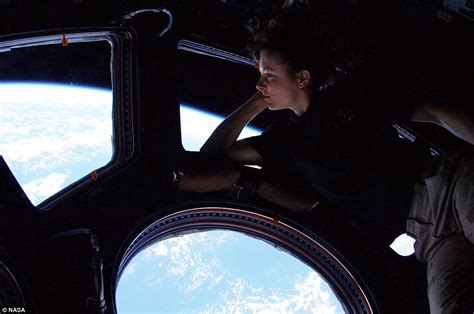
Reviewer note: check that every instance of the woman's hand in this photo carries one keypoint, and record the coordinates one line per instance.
(226, 134)
(257, 100)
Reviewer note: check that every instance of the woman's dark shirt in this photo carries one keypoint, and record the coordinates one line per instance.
(345, 148)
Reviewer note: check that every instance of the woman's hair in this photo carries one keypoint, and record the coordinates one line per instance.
(317, 38)
(293, 37)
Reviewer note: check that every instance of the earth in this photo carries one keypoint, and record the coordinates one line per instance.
(53, 135)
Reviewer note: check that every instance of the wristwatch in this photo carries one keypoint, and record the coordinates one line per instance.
(247, 184)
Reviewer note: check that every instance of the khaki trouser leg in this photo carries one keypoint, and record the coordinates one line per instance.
(450, 277)
(442, 221)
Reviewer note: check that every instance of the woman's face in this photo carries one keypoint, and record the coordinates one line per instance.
(278, 86)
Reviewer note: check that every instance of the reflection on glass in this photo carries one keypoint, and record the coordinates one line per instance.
(221, 272)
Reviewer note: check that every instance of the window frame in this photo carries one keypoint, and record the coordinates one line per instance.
(124, 96)
(191, 45)
(288, 236)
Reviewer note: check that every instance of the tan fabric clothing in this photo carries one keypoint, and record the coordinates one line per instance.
(442, 221)
(450, 276)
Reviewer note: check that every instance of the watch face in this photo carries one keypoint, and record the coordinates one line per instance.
(236, 191)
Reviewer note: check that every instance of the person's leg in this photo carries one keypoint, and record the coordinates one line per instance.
(451, 261)
(441, 220)
(464, 195)
(450, 276)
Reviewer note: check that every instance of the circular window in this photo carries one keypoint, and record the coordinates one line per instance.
(215, 259)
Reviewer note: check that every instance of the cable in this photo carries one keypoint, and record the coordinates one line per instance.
(131, 15)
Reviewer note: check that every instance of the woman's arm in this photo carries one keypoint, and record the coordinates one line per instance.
(243, 153)
(226, 134)
(285, 197)
(455, 121)
(223, 178)
(210, 177)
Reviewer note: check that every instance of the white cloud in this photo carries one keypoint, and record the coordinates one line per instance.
(239, 286)
(217, 280)
(308, 296)
(129, 270)
(69, 144)
(55, 95)
(190, 256)
(151, 280)
(44, 187)
(45, 129)
(159, 249)
(191, 264)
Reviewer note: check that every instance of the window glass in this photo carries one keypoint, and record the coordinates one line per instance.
(210, 89)
(197, 125)
(55, 114)
(221, 271)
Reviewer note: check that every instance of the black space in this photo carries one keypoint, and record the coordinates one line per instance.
(85, 63)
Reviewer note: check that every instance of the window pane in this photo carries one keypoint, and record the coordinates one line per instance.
(221, 272)
(55, 114)
(197, 125)
(210, 89)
